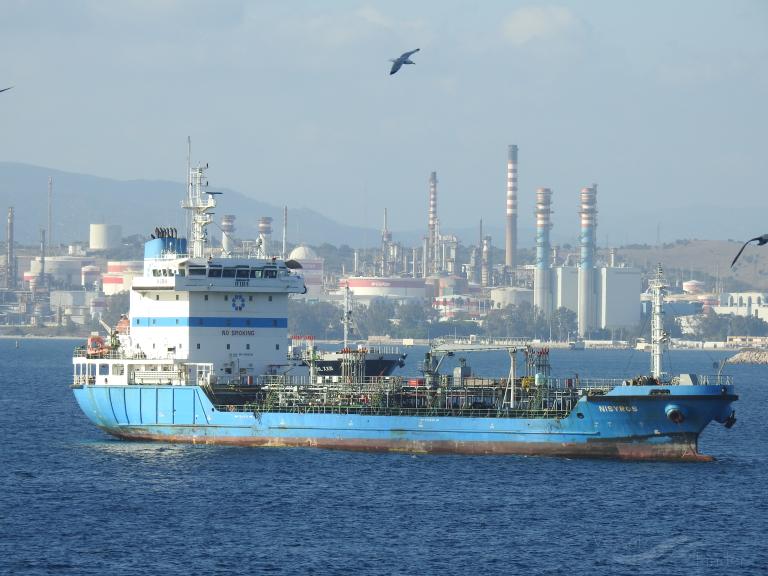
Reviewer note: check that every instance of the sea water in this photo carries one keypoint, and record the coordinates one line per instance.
(76, 501)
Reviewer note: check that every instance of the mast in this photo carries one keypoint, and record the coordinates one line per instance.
(50, 209)
(200, 203)
(285, 228)
(346, 320)
(658, 336)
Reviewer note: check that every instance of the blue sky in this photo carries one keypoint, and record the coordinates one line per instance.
(660, 103)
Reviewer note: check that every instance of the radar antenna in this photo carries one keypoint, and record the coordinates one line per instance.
(200, 203)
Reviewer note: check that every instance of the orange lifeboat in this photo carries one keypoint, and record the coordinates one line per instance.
(96, 346)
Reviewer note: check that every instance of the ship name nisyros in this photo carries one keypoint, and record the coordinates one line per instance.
(201, 358)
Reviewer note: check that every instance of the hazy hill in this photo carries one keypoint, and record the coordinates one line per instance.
(706, 260)
(140, 205)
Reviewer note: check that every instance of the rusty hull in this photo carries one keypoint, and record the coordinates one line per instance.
(682, 447)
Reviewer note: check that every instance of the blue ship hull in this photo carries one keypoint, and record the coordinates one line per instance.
(629, 422)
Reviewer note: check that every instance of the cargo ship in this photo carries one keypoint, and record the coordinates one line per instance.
(376, 360)
(200, 358)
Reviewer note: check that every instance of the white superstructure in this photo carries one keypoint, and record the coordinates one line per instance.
(194, 309)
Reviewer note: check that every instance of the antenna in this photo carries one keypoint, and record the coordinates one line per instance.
(50, 204)
(285, 228)
(200, 203)
(189, 182)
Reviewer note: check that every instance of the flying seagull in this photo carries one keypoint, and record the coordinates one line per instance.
(4, 89)
(760, 241)
(405, 58)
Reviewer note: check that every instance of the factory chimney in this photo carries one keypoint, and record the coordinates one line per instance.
(386, 241)
(510, 258)
(432, 241)
(587, 300)
(265, 235)
(41, 280)
(227, 232)
(10, 268)
(542, 275)
(486, 265)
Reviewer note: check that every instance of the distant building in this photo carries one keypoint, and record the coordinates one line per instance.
(619, 297)
(119, 276)
(743, 304)
(510, 296)
(458, 306)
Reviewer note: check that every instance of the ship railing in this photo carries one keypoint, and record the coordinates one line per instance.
(426, 412)
(304, 380)
(112, 354)
(710, 380)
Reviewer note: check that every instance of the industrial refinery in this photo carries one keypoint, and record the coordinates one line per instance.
(458, 278)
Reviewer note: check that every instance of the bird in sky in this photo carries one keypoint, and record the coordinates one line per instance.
(4, 89)
(761, 240)
(405, 58)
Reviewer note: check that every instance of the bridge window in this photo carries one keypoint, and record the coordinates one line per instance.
(198, 346)
(214, 272)
(256, 273)
(242, 273)
(270, 298)
(270, 273)
(205, 297)
(229, 273)
(250, 298)
(226, 297)
(196, 271)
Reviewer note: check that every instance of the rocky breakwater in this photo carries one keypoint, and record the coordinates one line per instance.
(749, 356)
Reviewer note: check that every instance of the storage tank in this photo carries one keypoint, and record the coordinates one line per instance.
(366, 288)
(312, 269)
(693, 287)
(105, 236)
